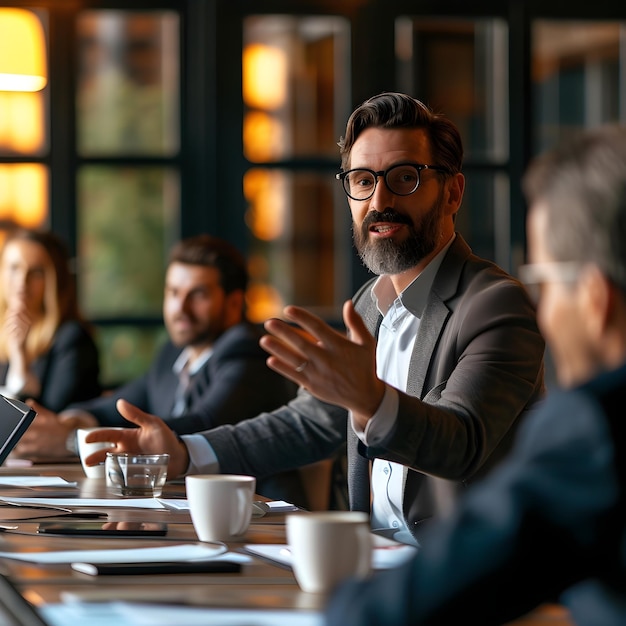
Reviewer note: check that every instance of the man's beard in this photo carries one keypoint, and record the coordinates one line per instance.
(386, 256)
(199, 336)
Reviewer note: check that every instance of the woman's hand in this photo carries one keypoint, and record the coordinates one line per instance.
(16, 326)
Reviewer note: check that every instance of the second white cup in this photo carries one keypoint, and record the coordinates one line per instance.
(328, 547)
(220, 505)
(85, 449)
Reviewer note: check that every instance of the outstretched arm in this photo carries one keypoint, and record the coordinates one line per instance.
(153, 436)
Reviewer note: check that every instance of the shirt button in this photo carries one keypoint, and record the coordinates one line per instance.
(395, 524)
(386, 470)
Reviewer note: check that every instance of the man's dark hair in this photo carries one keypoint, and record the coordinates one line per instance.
(397, 110)
(211, 251)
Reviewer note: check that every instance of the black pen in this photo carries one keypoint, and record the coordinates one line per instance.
(180, 567)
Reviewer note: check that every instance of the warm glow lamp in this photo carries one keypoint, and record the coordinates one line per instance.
(22, 51)
(264, 77)
(23, 193)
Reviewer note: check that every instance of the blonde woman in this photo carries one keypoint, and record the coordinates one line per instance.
(46, 350)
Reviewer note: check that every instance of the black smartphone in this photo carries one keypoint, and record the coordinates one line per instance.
(104, 529)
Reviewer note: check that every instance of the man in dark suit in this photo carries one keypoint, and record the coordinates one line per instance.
(550, 521)
(211, 371)
(443, 356)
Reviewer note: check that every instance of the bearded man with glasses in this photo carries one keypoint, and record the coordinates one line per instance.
(550, 522)
(442, 358)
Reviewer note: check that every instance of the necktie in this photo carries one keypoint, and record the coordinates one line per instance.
(180, 401)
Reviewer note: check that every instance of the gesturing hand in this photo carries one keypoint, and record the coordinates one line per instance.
(153, 436)
(336, 369)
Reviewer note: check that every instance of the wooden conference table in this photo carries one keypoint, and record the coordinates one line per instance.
(260, 584)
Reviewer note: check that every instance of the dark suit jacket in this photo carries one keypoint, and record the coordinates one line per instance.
(549, 523)
(233, 385)
(476, 368)
(69, 371)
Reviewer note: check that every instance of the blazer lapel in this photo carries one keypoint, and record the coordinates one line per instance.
(435, 315)
(358, 469)
(422, 492)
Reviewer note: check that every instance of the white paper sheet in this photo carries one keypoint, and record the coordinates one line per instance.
(129, 614)
(138, 503)
(34, 481)
(174, 504)
(274, 506)
(177, 552)
(382, 557)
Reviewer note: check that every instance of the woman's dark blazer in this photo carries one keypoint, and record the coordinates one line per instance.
(69, 371)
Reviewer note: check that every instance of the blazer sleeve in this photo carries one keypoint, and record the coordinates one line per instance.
(303, 431)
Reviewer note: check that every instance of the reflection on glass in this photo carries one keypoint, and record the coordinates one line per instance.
(265, 192)
(127, 223)
(263, 136)
(261, 61)
(127, 97)
(295, 72)
(22, 127)
(578, 73)
(460, 67)
(263, 300)
(296, 103)
(127, 351)
(298, 255)
(23, 195)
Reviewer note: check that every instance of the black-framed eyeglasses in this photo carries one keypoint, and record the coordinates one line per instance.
(402, 179)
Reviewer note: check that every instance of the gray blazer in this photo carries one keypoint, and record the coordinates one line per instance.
(476, 368)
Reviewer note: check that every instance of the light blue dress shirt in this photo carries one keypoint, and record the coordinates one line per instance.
(396, 338)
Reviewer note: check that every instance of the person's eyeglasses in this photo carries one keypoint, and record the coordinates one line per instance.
(402, 179)
(534, 275)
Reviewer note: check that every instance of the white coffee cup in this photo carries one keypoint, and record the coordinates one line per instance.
(85, 449)
(220, 505)
(328, 547)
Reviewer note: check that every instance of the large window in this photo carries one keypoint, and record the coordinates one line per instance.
(579, 77)
(164, 119)
(128, 196)
(24, 144)
(460, 67)
(296, 100)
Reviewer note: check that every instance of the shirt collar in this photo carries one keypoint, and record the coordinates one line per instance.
(184, 357)
(415, 295)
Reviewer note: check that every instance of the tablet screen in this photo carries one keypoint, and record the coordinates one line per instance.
(15, 418)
